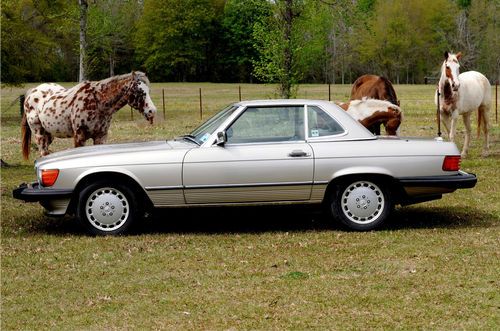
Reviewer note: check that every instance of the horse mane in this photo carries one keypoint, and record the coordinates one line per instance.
(447, 92)
(137, 74)
(142, 77)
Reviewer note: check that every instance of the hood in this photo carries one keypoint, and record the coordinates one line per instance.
(103, 150)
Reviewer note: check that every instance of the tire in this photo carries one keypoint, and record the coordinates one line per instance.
(361, 204)
(107, 208)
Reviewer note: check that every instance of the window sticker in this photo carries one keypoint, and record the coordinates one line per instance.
(314, 133)
(205, 137)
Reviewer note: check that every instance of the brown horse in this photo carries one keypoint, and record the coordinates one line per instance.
(373, 112)
(374, 87)
(83, 111)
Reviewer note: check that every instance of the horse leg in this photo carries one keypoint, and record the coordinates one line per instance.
(42, 137)
(100, 139)
(43, 140)
(453, 128)
(468, 131)
(80, 135)
(483, 110)
(446, 120)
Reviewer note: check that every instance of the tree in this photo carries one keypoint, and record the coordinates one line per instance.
(172, 39)
(277, 43)
(477, 36)
(37, 41)
(110, 31)
(406, 38)
(239, 51)
(83, 39)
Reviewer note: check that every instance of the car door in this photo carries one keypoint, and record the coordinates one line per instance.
(265, 159)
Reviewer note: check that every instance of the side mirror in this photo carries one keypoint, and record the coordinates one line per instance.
(221, 138)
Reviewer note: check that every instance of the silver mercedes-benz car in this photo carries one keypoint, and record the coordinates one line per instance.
(250, 153)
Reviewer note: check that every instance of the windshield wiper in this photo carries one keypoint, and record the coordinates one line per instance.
(190, 137)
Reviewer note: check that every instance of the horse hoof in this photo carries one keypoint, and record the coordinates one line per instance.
(485, 154)
(463, 155)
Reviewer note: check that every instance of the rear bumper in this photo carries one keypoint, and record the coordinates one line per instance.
(460, 180)
(55, 201)
(421, 189)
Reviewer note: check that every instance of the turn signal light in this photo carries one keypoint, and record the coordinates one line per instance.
(49, 177)
(451, 163)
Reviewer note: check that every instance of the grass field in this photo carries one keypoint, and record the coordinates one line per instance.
(432, 266)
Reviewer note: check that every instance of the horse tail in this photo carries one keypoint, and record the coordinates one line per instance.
(479, 120)
(391, 93)
(26, 136)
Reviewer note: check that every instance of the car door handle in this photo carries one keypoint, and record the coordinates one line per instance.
(298, 153)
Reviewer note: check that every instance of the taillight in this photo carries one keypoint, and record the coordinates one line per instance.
(49, 176)
(451, 163)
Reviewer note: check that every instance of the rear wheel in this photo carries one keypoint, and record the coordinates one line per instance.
(361, 204)
(107, 208)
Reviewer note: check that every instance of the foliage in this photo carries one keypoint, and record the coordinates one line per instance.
(111, 25)
(406, 38)
(37, 41)
(238, 40)
(239, 43)
(278, 40)
(478, 37)
(173, 38)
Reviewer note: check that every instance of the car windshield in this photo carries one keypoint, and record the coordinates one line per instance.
(204, 131)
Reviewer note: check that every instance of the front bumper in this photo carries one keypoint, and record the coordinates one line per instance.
(33, 192)
(55, 201)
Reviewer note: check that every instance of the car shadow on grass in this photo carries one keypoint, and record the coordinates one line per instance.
(272, 219)
(297, 218)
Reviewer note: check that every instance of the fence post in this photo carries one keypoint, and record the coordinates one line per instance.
(163, 101)
(438, 117)
(131, 114)
(239, 91)
(21, 104)
(329, 92)
(201, 106)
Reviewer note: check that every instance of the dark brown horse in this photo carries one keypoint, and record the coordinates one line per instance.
(374, 87)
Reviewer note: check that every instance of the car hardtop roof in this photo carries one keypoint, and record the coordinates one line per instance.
(282, 102)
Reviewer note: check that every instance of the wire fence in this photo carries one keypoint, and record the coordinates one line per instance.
(208, 98)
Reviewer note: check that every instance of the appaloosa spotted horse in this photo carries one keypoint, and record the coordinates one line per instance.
(83, 111)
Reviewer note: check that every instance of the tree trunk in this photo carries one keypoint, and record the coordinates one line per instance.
(286, 83)
(83, 39)
(111, 64)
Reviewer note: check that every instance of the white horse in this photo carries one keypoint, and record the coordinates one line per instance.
(462, 94)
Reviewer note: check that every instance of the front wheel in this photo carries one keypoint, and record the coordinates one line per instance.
(107, 208)
(361, 204)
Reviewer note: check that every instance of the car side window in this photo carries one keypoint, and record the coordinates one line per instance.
(268, 124)
(321, 124)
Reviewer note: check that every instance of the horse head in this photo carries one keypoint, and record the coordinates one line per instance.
(451, 69)
(138, 96)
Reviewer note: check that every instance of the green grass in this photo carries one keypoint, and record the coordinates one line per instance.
(432, 266)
